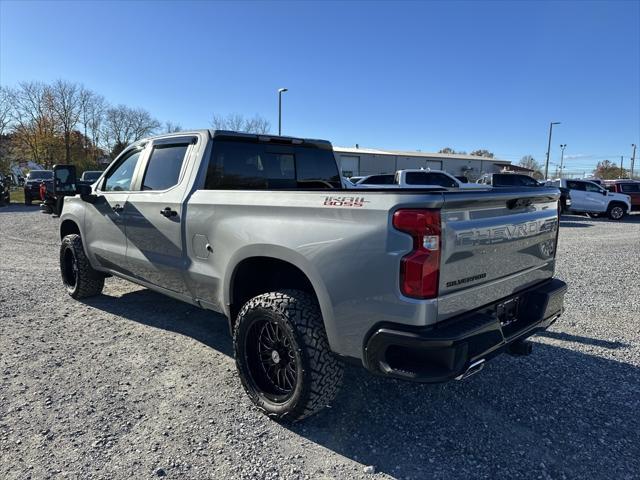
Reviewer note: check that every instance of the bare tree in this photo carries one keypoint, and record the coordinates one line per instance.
(5, 109)
(93, 107)
(239, 123)
(257, 124)
(66, 104)
(124, 125)
(5, 124)
(529, 162)
(171, 127)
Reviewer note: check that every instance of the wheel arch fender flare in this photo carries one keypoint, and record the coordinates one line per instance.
(286, 255)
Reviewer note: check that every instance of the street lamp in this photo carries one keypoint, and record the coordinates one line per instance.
(546, 165)
(280, 92)
(562, 147)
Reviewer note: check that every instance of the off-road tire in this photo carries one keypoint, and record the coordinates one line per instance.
(86, 282)
(616, 211)
(319, 372)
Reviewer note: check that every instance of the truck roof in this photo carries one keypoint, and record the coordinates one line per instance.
(251, 137)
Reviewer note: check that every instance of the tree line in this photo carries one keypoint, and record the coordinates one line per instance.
(65, 122)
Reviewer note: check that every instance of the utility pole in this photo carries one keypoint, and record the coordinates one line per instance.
(546, 165)
(563, 146)
(633, 158)
(621, 169)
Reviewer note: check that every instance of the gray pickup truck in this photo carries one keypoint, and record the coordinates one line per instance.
(423, 285)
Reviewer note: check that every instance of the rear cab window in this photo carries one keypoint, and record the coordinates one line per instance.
(379, 180)
(242, 165)
(430, 178)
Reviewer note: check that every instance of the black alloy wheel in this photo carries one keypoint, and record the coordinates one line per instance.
(271, 359)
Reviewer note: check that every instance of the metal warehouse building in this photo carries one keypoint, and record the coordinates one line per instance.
(356, 161)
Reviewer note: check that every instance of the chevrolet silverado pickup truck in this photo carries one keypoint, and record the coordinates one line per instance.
(416, 284)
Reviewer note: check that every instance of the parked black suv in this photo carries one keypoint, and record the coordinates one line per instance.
(32, 184)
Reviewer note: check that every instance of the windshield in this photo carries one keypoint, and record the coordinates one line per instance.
(40, 175)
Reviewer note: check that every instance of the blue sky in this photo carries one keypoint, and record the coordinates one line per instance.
(416, 75)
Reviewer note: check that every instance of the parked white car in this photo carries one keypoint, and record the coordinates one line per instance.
(589, 197)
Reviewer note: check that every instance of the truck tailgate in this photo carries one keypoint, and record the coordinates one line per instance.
(495, 244)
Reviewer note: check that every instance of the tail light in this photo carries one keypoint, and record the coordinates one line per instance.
(420, 269)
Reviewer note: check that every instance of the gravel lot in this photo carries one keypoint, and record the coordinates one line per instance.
(135, 385)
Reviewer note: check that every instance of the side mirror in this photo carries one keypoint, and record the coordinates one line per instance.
(86, 193)
(604, 192)
(64, 180)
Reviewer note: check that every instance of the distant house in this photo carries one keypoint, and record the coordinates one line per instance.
(357, 161)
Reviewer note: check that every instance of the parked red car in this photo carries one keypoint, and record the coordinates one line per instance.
(628, 187)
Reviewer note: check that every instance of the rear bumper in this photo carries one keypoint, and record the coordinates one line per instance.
(448, 350)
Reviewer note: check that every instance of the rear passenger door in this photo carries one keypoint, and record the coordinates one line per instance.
(154, 213)
(578, 196)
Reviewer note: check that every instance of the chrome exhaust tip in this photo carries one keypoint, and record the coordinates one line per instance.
(474, 368)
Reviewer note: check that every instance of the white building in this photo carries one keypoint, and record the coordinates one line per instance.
(356, 161)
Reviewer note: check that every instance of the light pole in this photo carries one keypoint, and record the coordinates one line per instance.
(280, 92)
(562, 147)
(633, 158)
(546, 165)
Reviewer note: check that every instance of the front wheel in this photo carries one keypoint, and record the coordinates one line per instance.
(283, 355)
(78, 276)
(616, 212)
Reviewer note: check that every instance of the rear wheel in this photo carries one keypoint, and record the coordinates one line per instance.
(283, 355)
(616, 211)
(78, 276)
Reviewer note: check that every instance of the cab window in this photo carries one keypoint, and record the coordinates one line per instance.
(119, 179)
(592, 187)
(573, 185)
(164, 165)
(630, 187)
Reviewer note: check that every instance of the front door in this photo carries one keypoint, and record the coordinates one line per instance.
(595, 197)
(154, 216)
(105, 229)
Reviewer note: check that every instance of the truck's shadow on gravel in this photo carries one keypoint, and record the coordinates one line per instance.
(158, 311)
(549, 415)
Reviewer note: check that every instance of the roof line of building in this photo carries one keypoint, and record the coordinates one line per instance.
(412, 153)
